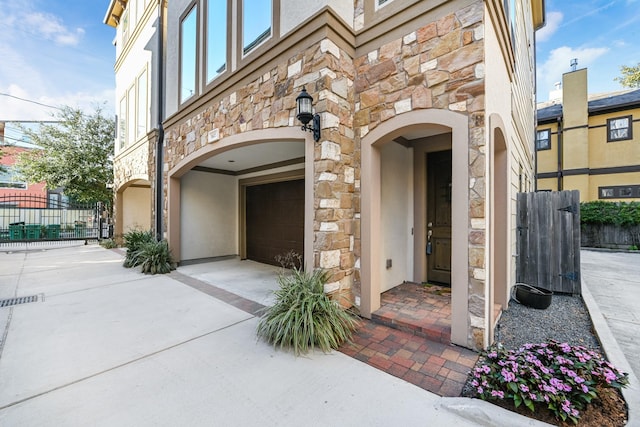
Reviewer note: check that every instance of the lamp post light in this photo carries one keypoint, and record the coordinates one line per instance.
(306, 115)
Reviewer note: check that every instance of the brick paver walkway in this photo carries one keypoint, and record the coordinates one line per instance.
(408, 354)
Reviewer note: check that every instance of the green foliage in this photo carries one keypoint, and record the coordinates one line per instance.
(303, 316)
(133, 241)
(76, 154)
(630, 76)
(109, 243)
(553, 375)
(616, 213)
(154, 258)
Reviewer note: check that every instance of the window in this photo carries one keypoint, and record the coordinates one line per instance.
(619, 129)
(10, 178)
(380, 3)
(543, 139)
(619, 192)
(188, 51)
(256, 23)
(216, 38)
(131, 115)
(122, 119)
(125, 27)
(141, 119)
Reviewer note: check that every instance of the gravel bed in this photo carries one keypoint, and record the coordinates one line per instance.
(565, 320)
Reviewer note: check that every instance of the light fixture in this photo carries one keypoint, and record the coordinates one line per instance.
(305, 114)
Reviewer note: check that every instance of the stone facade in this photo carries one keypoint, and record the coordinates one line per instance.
(439, 65)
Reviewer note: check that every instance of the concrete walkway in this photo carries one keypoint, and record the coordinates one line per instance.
(108, 346)
(611, 291)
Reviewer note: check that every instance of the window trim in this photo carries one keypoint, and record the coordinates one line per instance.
(139, 102)
(548, 147)
(185, 14)
(262, 39)
(615, 189)
(629, 127)
(205, 52)
(122, 127)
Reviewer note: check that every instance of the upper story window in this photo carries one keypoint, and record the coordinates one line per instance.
(256, 23)
(188, 51)
(122, 122)
(125, 27)
(216, 38)
(619, 129)
(141, 115)
(380, 3)
(543, 139)
(10, 178)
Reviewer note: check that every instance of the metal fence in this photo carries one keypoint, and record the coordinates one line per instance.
(33, 218)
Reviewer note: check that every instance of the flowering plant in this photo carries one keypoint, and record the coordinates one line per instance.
(560, 376)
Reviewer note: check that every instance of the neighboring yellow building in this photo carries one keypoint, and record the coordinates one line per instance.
(590, 143)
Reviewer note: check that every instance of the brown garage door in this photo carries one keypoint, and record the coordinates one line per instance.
(274, 220)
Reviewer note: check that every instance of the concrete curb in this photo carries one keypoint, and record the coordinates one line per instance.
(614, 354)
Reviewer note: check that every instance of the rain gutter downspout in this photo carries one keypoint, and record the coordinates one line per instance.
(160, 140)
(560, 154)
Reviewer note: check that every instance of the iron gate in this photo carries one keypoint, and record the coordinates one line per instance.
(36, 218)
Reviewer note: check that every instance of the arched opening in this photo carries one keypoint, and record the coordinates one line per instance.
(133, 206)
(395, 206)
(215, 193)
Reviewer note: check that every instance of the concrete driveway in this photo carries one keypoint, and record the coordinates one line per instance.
(108, 346)
(613, 278)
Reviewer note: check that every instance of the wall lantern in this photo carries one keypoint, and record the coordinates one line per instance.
(305, 114)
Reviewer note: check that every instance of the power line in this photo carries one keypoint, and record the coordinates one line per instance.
(29, 100)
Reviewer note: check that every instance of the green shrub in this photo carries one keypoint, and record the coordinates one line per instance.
(615, 213)
(153, 258)
(303, 316)
(134, 240)
(108, 243)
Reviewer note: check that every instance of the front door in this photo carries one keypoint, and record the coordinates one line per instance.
(439, 217)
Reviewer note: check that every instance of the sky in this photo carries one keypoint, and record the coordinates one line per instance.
(602, 34)
(54, 52)
(59, 52)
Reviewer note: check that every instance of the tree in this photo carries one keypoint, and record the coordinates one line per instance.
(76, 154)
(630, 76)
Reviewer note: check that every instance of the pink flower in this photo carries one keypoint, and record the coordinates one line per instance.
(524, 388)
(497, 393)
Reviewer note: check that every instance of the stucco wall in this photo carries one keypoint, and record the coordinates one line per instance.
(291, 14)
(136, 203)
(209, 222)
(396, 177)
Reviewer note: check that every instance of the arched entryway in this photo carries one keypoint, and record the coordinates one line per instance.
(383, 160)
(211, 191)
(500, 260)
(133, 206)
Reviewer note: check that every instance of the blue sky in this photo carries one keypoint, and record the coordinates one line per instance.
(56, 52)
(601, 34)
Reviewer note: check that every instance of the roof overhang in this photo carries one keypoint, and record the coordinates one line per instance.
(538, 12)
(114, 12)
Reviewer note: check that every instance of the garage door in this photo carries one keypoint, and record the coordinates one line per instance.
(274, 220)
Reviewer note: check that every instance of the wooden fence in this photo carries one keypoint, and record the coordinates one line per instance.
(610, 236)
(549, 240)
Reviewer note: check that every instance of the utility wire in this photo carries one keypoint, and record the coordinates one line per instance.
(29, 100)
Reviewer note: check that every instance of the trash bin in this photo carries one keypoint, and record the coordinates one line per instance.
(53, 231)
(32, 231)
(81, 229)
(16, 231)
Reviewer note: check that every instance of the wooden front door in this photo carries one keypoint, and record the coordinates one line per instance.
(439, 217)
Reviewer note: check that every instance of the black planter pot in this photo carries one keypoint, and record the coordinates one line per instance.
(533, 296)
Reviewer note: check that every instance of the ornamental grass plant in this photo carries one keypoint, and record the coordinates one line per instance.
(154, 258)
(133, 241)
(550, 376)
(303, 316)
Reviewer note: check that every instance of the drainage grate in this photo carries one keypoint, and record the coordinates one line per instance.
(20, 300)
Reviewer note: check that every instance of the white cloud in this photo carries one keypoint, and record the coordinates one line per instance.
(558, 63)
(553, 21)
(51, 28)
